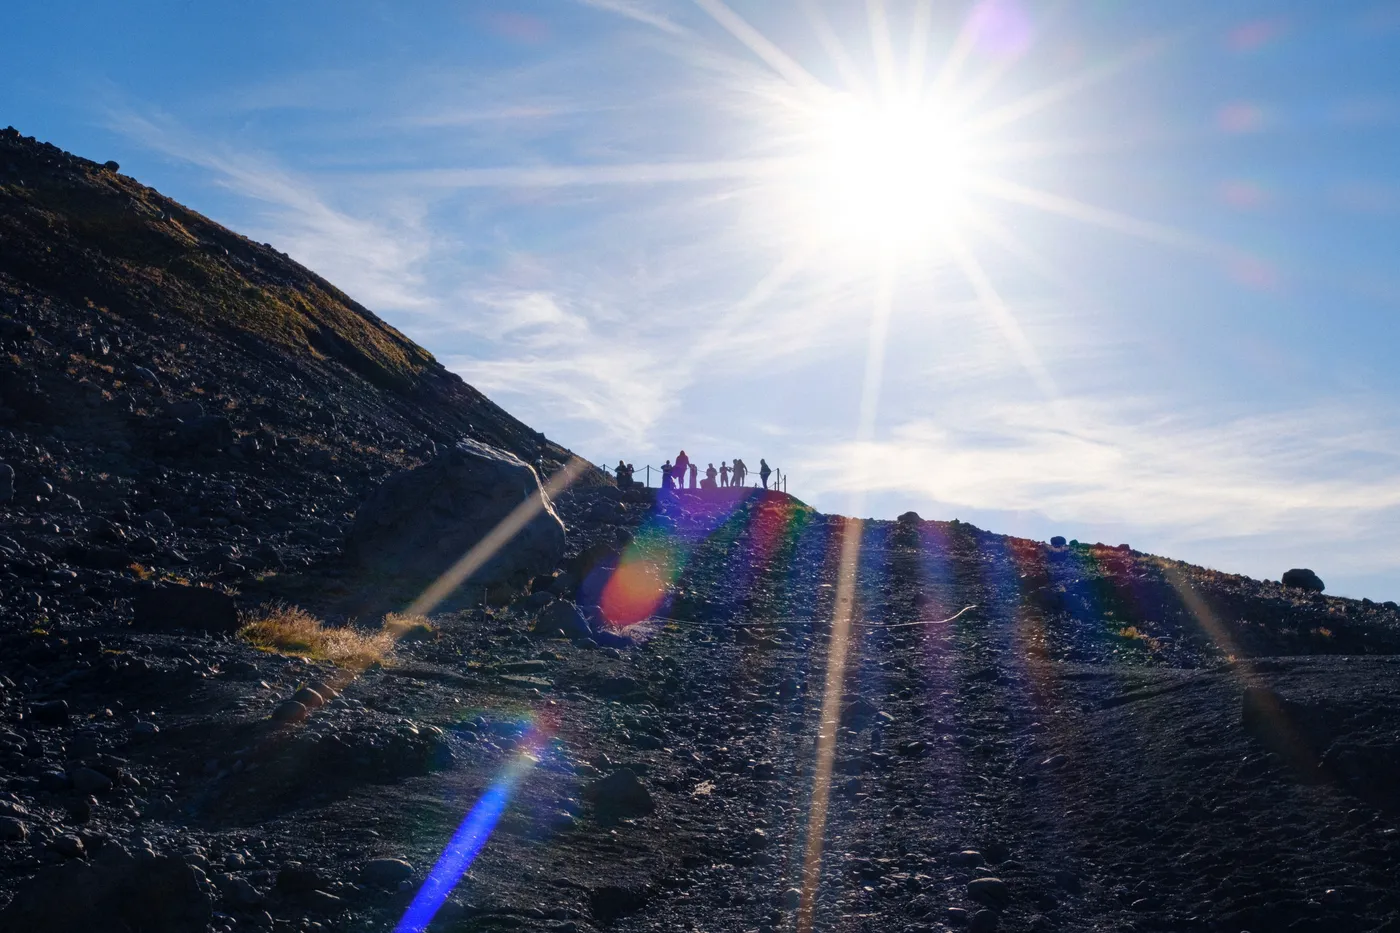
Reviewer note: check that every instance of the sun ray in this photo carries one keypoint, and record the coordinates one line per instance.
(759, 44)
(838, 646)
(1001, 316)
(882, 47)
(918, 46)
(720, 334)
(974, 91)
(875, 354)
(632, 173)
(1096, 216)
(835, 50)
(957, 56)
(495, 539)
(1062, 90)
(1009, 241)
(843, 610)
(1031, 150)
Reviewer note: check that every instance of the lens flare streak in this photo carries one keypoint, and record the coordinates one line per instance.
(469, 839)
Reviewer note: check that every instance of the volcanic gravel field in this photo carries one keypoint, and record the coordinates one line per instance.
(1021, 736)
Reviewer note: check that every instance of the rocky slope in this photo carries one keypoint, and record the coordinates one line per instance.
(1030, 737)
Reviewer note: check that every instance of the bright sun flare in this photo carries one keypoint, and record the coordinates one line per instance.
(885, 173)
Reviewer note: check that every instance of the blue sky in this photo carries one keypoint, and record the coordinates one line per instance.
(1146, 289)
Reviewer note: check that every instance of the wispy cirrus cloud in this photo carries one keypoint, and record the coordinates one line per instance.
(375, 255)
(638, 11)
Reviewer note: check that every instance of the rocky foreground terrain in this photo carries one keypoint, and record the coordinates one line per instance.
(1027, 736)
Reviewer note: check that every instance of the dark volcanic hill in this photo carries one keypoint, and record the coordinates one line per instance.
(120, 283)
(1025, 736)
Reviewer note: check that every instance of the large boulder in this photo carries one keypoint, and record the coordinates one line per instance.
(115, 892)
(560, 615)
(171, 606)
(620, 794)
(420, 522)
(1301, 578)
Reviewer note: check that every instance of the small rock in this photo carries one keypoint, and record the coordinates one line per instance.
(187, 410)
(611, 901)
(1057, 541)
(620, 794)
(984, 921)
(67, 846)
(290, 711)
(970, 858)
(988, 891)
(296, 879)
(956, 917)
(12, 830)
(52, 713)
(239, 891)
(326, 691)
(89, 781)
(158, 519)
(311, 699)
(7, 482)
(322, 902)
(387, 872)
(563, 616)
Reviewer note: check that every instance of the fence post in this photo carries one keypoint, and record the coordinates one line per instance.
(648, 475)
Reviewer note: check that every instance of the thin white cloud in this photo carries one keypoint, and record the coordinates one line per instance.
(639, 12)
(375, 259)
(1320, 474)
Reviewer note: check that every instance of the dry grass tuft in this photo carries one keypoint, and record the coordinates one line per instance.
(292, 630)
(1133, 632)
(408, 627)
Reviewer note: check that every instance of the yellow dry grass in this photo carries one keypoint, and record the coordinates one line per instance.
(408, 626)
(292, 630)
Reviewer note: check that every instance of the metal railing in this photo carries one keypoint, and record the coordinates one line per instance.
(644, 474)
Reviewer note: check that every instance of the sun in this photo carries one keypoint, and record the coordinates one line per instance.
(884, 173)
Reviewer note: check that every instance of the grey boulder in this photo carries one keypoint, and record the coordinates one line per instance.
(420, 522)
(1303, 579)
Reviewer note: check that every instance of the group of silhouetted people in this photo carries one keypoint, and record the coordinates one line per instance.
(675, 474)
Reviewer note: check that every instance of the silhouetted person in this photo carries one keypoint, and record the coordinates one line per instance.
(680, 469)
(694, 471)
(741, 473)
(763, 471)
(723, 474)
(623, 480)
(667, 479)
(710, 473)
